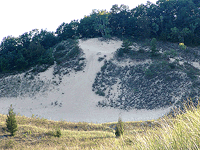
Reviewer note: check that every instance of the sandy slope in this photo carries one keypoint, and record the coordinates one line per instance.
(76, 95)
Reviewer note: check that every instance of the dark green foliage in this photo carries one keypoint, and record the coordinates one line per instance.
(11, 122)
(67, 30)
(67, 51)
(58, 133)
(120, 52)
(86, 28)
(125, 48)
(60, 47)
(100, 93)
(119, 128)
(158, 68)
(100, 59)
(28, 50)
(174, 21)
(171, 53)
(191, 71)
(154, 50)
(74, 52)
(149, 73)
(101, 22)
(104, 66)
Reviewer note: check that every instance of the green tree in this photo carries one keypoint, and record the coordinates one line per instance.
(121, 21)
(11, 122)
(67, 30)
(86, 27)
(184, 33)
(101, 22)
(21, 63)
(119, 128)
(8, 44)
(175, 35)
(48, 39)
(126, 48)
(154, 50)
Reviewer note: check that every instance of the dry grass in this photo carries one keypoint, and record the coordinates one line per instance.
(182, 132)
(37, 133)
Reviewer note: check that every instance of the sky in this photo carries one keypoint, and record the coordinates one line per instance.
(20, 16)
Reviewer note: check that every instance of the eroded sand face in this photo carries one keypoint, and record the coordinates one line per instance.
(75, 98)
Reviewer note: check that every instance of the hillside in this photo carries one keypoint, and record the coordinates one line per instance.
(89, 73)
(67, 94)
(139, 80)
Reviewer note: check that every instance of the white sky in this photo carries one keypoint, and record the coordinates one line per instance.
(20, 16)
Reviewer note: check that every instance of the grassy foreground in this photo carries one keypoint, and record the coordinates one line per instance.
(181, 132)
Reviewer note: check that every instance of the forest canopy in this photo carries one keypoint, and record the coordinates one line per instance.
(167, 20)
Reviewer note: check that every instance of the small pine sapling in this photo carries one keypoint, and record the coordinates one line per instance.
(154, 50)
(11, 122)
(119, 128)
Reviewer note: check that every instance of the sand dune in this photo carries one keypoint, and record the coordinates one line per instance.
(76, 102)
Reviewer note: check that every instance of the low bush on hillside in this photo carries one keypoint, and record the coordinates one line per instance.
(100, 93)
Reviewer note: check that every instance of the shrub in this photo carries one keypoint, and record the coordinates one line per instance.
(58, 133)
(11, 122)
(119, 128)
(72, 53)
(125, 48)
(103, 68)
(141, 50)
(100, 93)
(149, 73)
(120, 52)
(182, 46)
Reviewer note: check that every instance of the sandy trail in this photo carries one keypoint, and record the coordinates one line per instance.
(76, 95)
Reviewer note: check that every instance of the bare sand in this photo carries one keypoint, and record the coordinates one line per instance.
(76, 95)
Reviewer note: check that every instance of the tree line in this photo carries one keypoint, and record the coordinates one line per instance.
(167, 20)
(29, 49)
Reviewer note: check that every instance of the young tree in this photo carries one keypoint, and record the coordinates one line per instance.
(125, 48)
(154, 50)
(120, 128)
(11, 122)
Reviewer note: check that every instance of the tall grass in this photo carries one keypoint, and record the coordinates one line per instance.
(181, 132)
